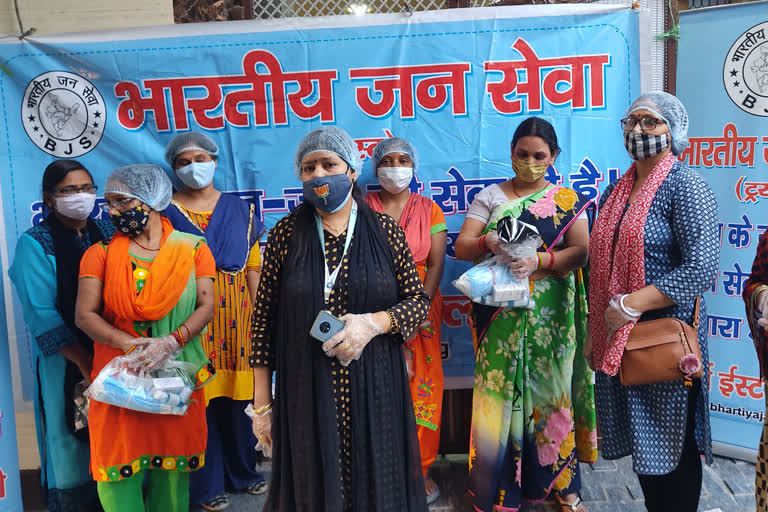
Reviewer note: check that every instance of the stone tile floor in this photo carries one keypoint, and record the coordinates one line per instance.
(608, 486)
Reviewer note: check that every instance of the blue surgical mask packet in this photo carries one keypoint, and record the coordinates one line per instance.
(163, 391)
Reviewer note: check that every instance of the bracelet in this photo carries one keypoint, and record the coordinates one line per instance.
(551, 261)
(189, 333)
(393, 323)
(481, 244)
(628, 310)
(175, 335)
(263, 410)
(541, 263)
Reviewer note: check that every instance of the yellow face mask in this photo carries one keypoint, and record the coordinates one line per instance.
(528, 171)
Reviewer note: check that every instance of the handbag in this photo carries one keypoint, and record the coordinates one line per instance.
(665, 349)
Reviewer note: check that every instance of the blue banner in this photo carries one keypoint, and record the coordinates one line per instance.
(455, 82)
(722, 79)
(10, 484)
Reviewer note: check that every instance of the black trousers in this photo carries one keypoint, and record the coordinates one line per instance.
(679, 490)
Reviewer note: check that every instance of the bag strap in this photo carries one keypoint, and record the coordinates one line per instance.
(696, 307)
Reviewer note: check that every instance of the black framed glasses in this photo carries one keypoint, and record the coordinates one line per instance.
(646, 123)
(72, 190)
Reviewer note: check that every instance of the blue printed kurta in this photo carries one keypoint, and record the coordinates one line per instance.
(681, 258)
(63, 458)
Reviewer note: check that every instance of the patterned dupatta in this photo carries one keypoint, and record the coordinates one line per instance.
(621, 271)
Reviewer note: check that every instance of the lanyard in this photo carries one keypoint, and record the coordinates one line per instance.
(330, 277)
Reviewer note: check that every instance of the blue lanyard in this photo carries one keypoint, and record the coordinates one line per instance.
(330, 277)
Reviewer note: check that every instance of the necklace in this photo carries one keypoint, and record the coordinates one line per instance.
(145, 248)
(336, 230)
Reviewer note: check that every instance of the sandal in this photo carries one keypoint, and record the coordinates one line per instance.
(216, 504)
(257, 488)
(568, 505)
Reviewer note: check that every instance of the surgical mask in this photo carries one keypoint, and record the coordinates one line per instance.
(197, 175)
(328, 193)
(645, 145)
(529, 172)
(77, 206)
(395, 179)
(131, 222)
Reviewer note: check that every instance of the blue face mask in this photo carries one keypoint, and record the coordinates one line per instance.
(197, 175)
(328, 193)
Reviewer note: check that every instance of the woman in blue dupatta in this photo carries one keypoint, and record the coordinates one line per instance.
(45, 272)
(533, 405)
(232, 232)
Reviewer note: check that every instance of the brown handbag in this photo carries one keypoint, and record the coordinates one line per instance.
(654, 350)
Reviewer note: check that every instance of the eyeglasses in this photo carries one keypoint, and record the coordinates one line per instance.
(646, 123)
(72, 190)
(121, 205)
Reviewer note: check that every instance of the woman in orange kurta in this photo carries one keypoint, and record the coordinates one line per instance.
(394, 163)
(148, 292)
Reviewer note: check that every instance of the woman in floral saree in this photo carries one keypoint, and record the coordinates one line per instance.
(533, 414)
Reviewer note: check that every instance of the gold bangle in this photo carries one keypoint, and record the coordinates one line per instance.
(264, 408)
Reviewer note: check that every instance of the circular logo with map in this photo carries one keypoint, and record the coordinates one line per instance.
(745, 72)
(63, 114)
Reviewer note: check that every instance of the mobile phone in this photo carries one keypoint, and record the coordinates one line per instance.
(325, 326)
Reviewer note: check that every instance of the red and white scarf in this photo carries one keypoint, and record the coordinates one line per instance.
(621, 269)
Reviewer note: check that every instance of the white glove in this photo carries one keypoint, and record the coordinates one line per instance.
(154, 352)
(617, 316)
(262, 429)
(523, 267)
(350, 342)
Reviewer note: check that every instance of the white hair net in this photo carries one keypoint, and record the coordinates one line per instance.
(671, 110)
(393, 145)
(188, 142)
(146, 182)
(331, 139)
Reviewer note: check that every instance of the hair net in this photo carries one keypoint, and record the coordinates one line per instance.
(188, 142)
(146, 182)
(393, 145)
(668, 108)
(331, 139)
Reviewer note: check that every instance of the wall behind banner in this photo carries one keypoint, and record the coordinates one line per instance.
(575, 65)
(723, 82)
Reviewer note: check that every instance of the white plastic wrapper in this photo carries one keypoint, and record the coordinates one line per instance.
(491, 282)
(166, 390)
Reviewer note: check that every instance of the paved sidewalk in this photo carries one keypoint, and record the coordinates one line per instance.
(609, 486)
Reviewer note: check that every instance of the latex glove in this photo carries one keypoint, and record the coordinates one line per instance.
(523, 267)
(350, 342)
(615, 318)
(493, 242)
(155, 352)
(262, 429)
(762, 304)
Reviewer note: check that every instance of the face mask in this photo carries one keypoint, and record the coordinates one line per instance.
(197, 175)
(645, 145)
(132, 222)
(77, 206)
(529, 171)
(328, 193)
(395, 179)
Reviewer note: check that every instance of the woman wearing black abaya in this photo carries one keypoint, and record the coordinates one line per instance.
(342, 421)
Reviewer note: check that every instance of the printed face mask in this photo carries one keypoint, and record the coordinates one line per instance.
(197, 175)
(132, 222)
(77, 206)
(645, 145)
(395, 179)
(328, 193)
(529, 171)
